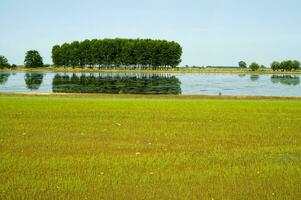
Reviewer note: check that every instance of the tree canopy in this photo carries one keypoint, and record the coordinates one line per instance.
(242, 64)
(254, 66)
(33, 59)
(136, 53)
(287, 65)
(3, 62)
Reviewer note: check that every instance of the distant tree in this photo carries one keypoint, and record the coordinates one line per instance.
(242, 64)
(262, 67)
(57, 55)
(296, 65)
(33, 59)
(286, 65)
(275, 66)
(254, 66)
(3, 62)
(13, 66)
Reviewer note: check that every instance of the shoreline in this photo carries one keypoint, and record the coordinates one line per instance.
(145, 96)
(170, 71)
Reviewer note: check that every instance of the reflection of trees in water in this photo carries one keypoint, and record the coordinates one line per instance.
(4, 78)
(33, 80)
(285, 79)
(116, 84)
(254, 77)
(241, 75)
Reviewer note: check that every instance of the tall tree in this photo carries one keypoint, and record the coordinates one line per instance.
(3, 62)
(33, 59)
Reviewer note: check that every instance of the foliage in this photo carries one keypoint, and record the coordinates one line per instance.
(3, 62)
(142, 148)
(134, 53)
(254, 66)
(33, 59)
(242, 64)
(287, 65)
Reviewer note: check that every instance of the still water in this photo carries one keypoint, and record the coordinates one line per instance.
(137, 83)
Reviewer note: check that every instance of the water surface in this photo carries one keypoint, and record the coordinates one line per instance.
(152, 83)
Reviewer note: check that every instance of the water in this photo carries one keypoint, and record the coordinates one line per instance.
(137, 83)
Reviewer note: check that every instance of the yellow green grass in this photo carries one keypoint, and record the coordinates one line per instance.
(148, 148)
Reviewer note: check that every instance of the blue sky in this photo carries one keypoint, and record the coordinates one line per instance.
(211, 32)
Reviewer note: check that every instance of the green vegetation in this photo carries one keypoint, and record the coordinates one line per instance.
(33, 59)
(287, 65)
(254, 66)
(242, 64)
(111, 53)
(149, 148)
(3, 62)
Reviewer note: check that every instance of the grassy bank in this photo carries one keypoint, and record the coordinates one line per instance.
(176, 70)
(147, 148)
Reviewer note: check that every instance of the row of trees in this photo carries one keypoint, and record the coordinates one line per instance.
(287, 65)
(253, 66)
(136, 53)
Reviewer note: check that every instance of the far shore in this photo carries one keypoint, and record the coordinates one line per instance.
(147, 96)
(175, 70)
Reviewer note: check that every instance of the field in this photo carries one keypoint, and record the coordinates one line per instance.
(149, 148)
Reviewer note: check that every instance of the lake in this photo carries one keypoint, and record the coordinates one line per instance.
(151, 83)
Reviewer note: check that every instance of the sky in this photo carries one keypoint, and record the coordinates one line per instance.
(211, 32)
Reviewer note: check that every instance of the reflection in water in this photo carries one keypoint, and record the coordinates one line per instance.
(33, 80)
(117, 84)
(285, 79)
(3, 78)
(254, 77)
(241, 75)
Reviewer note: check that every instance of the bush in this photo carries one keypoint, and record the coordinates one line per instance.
(254, 66)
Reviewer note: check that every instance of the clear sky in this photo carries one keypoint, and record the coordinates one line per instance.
(211, 32)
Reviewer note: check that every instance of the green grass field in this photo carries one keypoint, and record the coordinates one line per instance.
(128, 148)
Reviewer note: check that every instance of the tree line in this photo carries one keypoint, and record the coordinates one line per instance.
(110, 53)
(287, 65)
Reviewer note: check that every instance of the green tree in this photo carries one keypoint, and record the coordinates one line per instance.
(242, 64)
(254, 66)
(275, 66)
(33, 59)
(3, 62)
(296, 65)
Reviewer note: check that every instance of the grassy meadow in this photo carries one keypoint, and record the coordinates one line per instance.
(149, 148)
